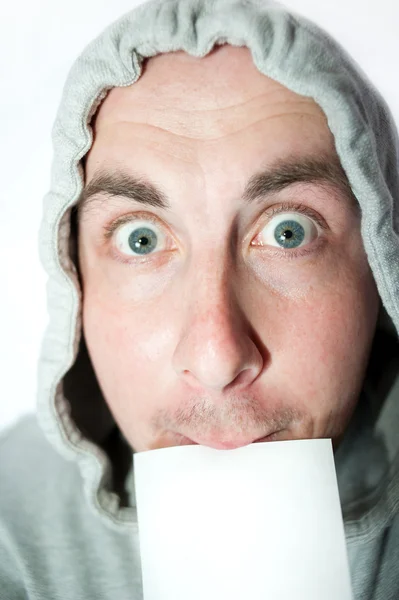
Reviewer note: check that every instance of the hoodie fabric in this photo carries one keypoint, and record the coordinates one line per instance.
(68, 520)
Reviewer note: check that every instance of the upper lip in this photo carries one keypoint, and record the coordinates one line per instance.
(223, 444)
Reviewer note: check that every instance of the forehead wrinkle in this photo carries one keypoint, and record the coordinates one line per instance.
(213, 124)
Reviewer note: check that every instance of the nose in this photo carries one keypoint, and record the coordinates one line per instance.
(216, 348)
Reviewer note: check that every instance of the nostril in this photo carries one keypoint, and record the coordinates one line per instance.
(240, 379)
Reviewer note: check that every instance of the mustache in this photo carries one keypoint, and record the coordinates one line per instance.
(237, 415)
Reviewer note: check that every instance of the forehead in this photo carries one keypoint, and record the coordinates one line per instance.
(215, 119)
(187, 108)
(203, 98)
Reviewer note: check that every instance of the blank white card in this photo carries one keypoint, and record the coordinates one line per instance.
(261, 522)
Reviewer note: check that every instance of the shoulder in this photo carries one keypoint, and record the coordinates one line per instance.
(48, 534)
(32, 473)
(36, 487)
(20, 436)
(24, 450)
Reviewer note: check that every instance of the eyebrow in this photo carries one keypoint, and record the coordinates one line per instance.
(272, 179)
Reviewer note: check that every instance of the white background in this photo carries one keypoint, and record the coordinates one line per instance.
(38, 43)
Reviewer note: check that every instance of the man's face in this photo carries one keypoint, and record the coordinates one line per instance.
(245, 309)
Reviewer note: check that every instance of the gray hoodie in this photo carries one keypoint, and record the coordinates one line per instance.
(68, 520)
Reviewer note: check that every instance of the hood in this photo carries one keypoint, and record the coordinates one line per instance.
(288, 48)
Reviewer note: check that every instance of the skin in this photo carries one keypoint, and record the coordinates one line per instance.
(215, 337)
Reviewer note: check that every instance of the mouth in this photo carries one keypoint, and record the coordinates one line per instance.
(226, 445)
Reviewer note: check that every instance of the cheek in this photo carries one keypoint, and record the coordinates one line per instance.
(124, 314)
(325, 347)
(126, 349)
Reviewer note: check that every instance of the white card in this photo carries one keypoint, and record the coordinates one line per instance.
(260, 522)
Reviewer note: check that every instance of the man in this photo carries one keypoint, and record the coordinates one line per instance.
(220, 237)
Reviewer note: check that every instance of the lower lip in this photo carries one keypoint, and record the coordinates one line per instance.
(227, 446)
(268, 438)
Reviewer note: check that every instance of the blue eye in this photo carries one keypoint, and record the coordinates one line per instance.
(289, 230)
(289, 234)
(142, 240)
(134, 239)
